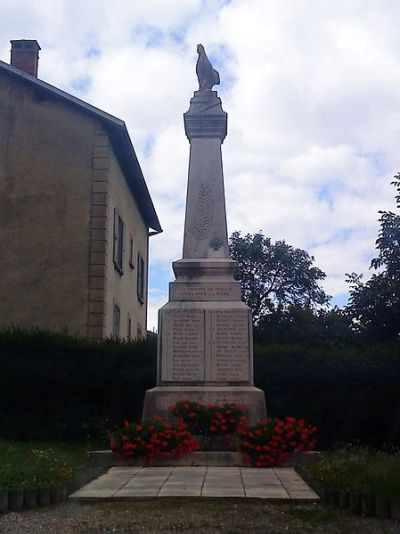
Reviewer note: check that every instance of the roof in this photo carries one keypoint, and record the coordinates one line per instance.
(119, 137)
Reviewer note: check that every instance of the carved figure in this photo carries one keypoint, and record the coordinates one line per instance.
(206, 75)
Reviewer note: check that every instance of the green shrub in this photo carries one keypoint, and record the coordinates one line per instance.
(349, 394)
(35, 465)
(360, 470)
(54, 386)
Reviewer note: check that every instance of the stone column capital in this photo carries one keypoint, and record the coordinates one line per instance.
(205, 117)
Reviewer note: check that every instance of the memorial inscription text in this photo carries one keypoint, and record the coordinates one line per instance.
(184, 350)
(229, 345)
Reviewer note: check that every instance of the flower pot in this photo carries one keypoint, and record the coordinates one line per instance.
(343, 499)
(72, 486)
(3, 500)
(355, 503)
(332, 497)
(57, 494)
(44, 497)
(368, 505)
(64, 492)
(395, 508)
(382, 506)
(15, 499)
(319, 488)
(30, 498)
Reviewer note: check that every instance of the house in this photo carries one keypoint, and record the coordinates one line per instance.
(75, 211)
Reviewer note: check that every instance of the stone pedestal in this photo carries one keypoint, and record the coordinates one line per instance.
(205, 339)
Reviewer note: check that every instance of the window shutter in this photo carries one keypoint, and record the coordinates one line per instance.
(116, 229)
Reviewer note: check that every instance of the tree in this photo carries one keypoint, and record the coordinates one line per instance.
(302, 325)
(276, 275)
(375, 305)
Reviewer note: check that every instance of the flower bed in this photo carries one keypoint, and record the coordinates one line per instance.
(265, 444)
(269, 442)
(210, 419)
(39, 473)
(365, 481)
(152, 439)
(212, 427)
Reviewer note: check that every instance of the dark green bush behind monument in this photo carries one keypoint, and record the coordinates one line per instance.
(53, 386)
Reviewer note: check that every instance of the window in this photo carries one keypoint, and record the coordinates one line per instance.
(129, 336)
(116, 321)
(140, 278)
(118, 249)
(131, 265)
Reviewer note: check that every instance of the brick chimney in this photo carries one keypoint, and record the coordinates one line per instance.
(25, 55)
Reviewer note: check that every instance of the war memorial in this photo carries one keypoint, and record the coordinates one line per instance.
(205, 346)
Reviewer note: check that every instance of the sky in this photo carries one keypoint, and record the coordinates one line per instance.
(312, 92)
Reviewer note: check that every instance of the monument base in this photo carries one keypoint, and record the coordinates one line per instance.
(158, 400)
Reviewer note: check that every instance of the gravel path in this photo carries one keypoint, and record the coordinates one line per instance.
(191, 515)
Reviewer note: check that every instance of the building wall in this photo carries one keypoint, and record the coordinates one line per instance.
(122, 287)
(112, 285)
(46, 150)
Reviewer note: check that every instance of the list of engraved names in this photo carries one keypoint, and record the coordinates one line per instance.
(185, 346)
(229, 345)
(217, 351)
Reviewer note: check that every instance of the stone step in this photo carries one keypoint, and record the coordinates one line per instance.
(106, 458)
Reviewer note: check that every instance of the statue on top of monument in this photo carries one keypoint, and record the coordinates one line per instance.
(206, 75)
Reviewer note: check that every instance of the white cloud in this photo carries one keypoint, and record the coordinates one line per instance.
(312, 92)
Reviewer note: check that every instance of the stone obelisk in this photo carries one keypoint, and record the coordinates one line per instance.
(205, 348)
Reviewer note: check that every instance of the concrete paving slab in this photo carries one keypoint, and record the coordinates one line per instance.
(183, 484)
(296, 487)
(192, 470)
(260, 476)
(303, 495)
(137, 492)
(93, 494)
(187, 475)
(176, 492)
(218, 482)
(144, 484)
(260, 481)
(124, 469)
(222, 492)
(104, 486)
(154, 471)
(267, 492)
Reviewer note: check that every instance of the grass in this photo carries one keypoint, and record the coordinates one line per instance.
(35, 464)
(360, 470)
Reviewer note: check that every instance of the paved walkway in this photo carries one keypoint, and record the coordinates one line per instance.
(140, 482)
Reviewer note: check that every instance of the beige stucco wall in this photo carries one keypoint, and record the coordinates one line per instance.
(45, 186)
(121, 289)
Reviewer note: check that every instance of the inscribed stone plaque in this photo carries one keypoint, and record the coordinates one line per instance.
(205, 291)
(183, 346)
(228, 346)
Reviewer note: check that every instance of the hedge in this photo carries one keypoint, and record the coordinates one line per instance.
(53, 386)
(351, 394)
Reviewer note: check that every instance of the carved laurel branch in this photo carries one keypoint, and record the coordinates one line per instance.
(201, 226)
